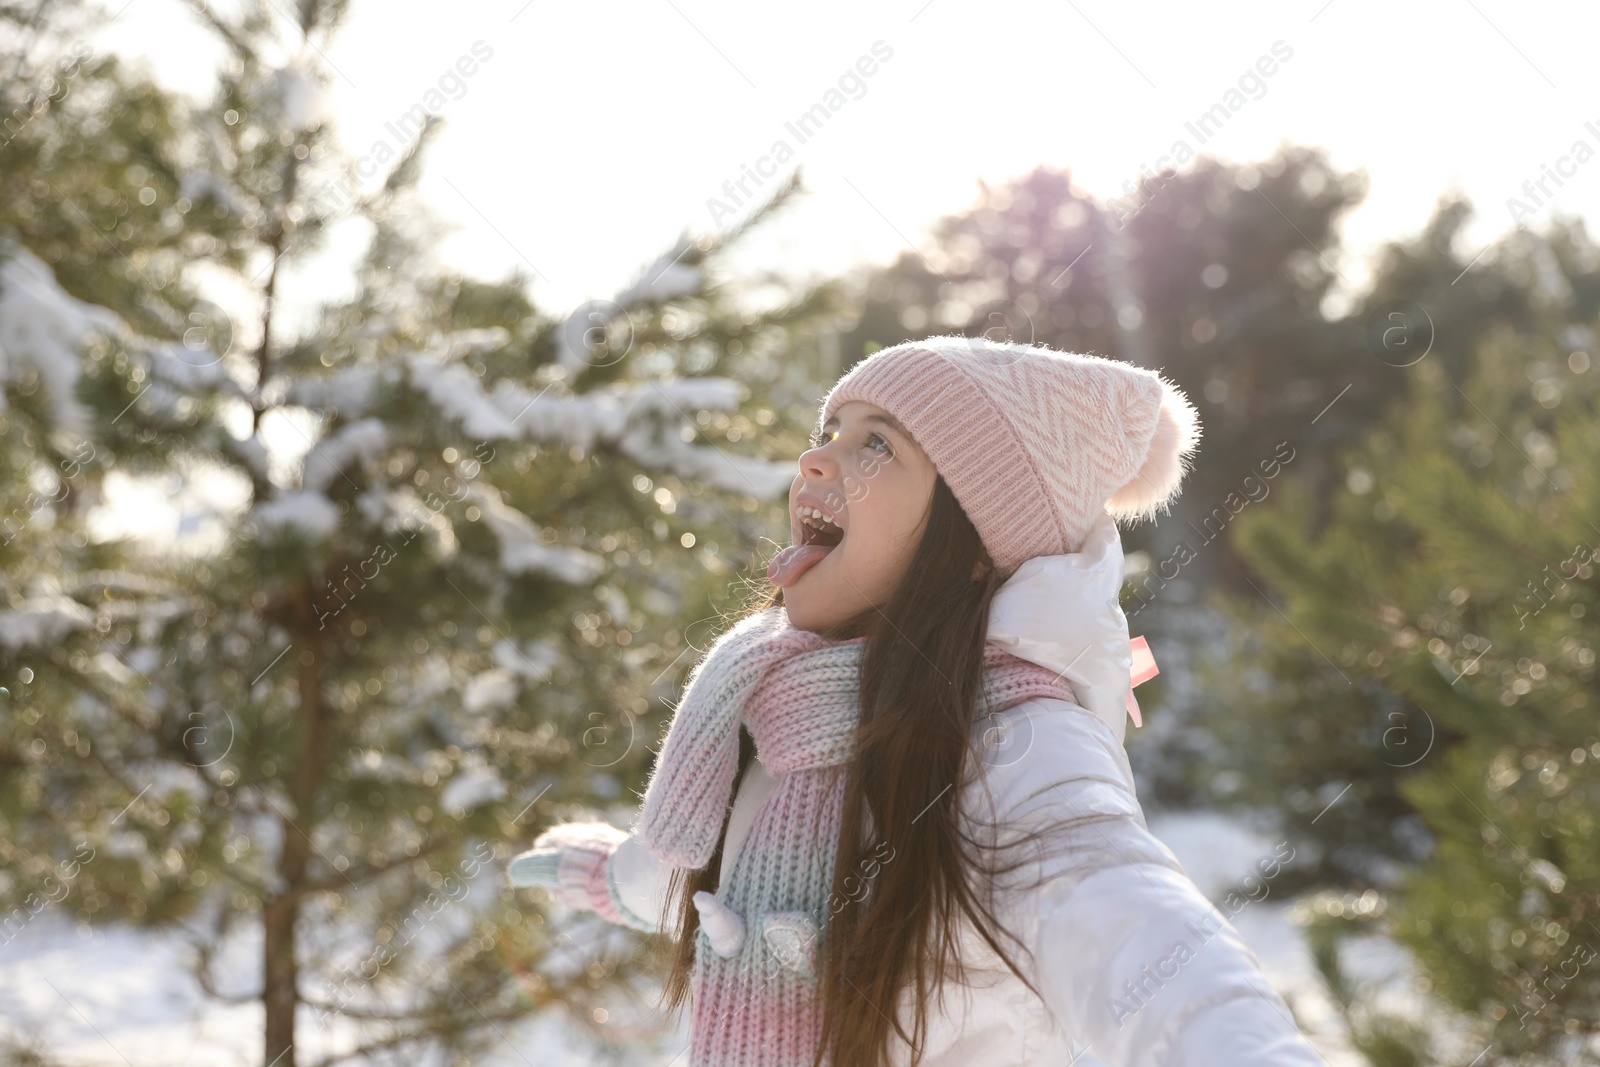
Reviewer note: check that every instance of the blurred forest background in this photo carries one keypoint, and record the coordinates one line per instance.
(257, 785)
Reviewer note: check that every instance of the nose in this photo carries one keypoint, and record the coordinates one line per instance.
(821, 474)
(815, 462)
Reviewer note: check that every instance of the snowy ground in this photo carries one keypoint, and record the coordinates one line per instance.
(124, 997)
(1220, 854)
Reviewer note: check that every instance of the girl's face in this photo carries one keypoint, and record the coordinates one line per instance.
(874, 485)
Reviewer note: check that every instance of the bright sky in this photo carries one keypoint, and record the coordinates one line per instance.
(595, 133)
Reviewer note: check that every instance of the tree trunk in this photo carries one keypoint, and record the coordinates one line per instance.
(282, 969)
(280, 961)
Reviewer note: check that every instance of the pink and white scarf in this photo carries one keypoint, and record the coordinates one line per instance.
(755, 980)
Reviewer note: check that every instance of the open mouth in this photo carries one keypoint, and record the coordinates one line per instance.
(817, 530)
(816, 537)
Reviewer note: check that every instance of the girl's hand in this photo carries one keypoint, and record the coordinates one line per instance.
(572, 861)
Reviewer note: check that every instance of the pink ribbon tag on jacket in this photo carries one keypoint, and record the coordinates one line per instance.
(1143, 669)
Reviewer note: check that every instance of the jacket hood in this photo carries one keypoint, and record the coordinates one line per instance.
(1063, 612)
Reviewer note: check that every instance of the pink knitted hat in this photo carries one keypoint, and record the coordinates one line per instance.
(1034, 443)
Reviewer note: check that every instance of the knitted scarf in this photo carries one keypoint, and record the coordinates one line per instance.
(755, 984)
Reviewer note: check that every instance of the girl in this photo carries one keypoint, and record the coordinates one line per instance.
(933, 852)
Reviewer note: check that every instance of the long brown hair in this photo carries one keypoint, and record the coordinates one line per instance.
(921, 676)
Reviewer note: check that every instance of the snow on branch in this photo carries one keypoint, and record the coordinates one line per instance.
(351, 390)
(455, 391)
(42, 622)
(359, 442)
(534, 660)
(660, 281)
(521, 549)
(309, 514)
(635, 417)
(665, 278)
(727, 471)
(42, 325)
(475, 783)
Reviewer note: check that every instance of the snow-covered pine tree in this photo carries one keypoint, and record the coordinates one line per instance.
(453, 613)
(82, 138)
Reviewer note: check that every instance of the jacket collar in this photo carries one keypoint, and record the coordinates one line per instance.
(1063, 612)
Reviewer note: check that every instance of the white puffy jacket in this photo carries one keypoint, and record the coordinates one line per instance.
(1131, 958)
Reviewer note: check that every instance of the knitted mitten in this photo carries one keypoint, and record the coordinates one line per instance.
(573, 861)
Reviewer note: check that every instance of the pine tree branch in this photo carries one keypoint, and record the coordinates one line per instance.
(234, 39)
(366, 872)
(387, 1015)
(781, 195)
(404, 172)
(205, 950)
(441, 1024)
(33, 24)
(1470, 520)
(431, 1031)
(140, 718)
(112, 770)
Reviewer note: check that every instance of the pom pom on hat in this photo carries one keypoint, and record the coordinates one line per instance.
(1168, 453)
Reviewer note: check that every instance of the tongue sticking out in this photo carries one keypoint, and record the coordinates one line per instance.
(788, 565)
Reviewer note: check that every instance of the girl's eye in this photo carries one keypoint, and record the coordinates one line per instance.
(822, 437)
